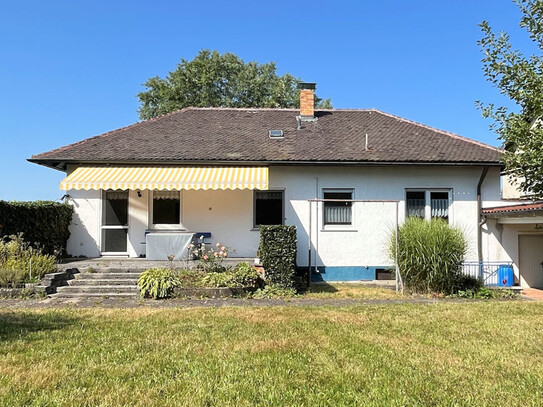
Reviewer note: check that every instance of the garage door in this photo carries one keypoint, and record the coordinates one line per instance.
(531, 258)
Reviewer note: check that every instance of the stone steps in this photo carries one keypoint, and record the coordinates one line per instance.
(95, 295)
(104, 281)
(102, 289)
(107, 276)
(101, 282)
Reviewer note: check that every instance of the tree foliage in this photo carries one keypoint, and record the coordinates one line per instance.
(215, 80)
(520, 78)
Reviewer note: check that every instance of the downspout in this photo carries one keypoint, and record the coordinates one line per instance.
(481, 220)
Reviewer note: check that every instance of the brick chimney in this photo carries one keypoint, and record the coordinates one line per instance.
(307, 100)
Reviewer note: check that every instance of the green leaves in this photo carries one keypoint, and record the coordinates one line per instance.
(519, 78)
(20, 262)
(430, 255)
(44, 224)
(157, 283)
(212, 79)
(278, 254)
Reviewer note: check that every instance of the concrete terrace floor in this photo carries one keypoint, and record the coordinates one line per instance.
(137, 263)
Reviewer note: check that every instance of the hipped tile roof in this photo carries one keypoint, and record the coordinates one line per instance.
(515, 209)
(241, 135)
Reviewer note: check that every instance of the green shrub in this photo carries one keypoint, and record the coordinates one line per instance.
(243, 275)
(44, 224)
(430, 256)
(278, 254)
(190, 278)
(12, 278)
(274, 291)
(157, 283)
(246, 275)
(18, 256)
(485, 293)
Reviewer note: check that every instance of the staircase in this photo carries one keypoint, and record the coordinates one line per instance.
(113, 277)
(100, 283)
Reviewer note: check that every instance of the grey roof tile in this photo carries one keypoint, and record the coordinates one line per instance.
(224, 134)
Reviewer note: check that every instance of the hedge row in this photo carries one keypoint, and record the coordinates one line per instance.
(44, 224)
(278, 254)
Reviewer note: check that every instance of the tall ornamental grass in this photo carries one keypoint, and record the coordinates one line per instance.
(430, 256)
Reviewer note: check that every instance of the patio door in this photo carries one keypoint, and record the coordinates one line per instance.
(114, 222)
(531, 260)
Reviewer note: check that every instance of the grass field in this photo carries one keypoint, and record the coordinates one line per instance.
(349, 290)
(473, 353)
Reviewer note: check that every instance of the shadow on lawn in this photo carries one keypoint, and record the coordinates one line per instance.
(16, 325)
(322, 288)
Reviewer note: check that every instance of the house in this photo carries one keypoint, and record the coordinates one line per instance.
(344, 178)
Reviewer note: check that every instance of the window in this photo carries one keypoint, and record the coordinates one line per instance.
(338, 213)
(428, 204)
(416, 203)
(268, 208)
(439, 205)
(166, 208)
(115, 222)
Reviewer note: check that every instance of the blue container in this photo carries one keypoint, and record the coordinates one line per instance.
(506, 276)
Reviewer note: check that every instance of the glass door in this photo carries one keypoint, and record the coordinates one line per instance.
(115, 222)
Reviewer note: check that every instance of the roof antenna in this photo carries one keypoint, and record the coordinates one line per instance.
(366, 148)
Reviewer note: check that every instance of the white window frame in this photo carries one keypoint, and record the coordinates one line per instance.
(427, 201)
(165, 226)
(110, 227)
(334, 226)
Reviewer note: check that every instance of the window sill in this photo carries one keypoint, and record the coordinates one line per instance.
(177, 227)
(339, 230)
(164, 230)
(257, 229)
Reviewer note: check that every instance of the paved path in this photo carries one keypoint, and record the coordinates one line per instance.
(533, 294)
(193, 303)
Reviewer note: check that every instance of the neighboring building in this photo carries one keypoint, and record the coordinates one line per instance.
(342, 177)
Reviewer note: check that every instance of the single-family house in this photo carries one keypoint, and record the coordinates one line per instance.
(343, 177)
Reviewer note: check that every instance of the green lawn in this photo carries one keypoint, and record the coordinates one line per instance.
(349, 290)
(474, 353)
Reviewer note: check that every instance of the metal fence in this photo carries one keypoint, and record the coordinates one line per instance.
(485, 271)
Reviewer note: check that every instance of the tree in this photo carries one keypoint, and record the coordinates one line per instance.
(519, 78)
(215, 80)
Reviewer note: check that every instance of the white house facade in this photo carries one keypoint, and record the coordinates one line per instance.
(344, 178)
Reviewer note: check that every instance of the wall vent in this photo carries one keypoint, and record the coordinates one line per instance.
(276, 134)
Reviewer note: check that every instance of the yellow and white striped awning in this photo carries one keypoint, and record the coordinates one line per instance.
(166, 178)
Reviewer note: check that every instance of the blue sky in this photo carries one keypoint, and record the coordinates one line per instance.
(71, 69)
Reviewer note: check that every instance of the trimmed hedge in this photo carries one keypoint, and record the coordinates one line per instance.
(43, 223)
(278, 254)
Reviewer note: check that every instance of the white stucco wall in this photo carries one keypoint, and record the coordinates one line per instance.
(228, 215)
(374, 221)
(85, 227)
